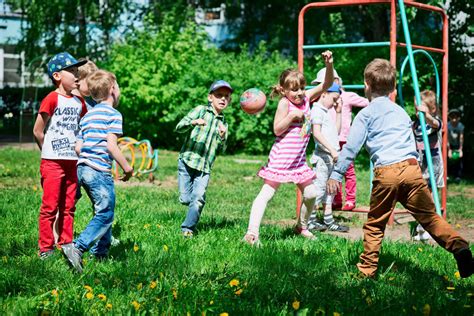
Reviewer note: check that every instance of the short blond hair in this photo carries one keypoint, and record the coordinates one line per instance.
(289, 79)
(86, 69)
(99, 84)
(380, 75)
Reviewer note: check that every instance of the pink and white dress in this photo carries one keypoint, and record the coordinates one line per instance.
(287, 160)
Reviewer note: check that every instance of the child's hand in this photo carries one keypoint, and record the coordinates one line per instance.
(199, 121)
(327, 57)
(334, 155)
(338, 106)
(297, 116)
(423, 108)
(222, 130)
(332, 186)
(127, 174)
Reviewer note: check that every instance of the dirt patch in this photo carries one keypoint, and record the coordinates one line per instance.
(467, 193)
(26, 146)
(170, 182)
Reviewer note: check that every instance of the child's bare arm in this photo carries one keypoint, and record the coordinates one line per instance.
(338, 110)
(78, 147)
(319, 137)
(315, 92)
(38, 129)
(114, 150)
(283, 119)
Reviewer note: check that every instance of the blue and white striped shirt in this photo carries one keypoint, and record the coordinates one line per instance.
(101, 120)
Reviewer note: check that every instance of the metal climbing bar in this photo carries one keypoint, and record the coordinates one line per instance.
(346, 45)
(421, 115)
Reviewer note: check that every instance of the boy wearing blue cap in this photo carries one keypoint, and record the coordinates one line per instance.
(326, 138)
(206, 134)
(55, 133)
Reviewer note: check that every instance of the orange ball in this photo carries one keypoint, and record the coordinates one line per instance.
(253, 101)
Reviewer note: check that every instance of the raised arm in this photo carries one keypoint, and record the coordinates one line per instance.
(315, 92)
(38, 129)
(430, 120)
(190, 120)
(115, 152)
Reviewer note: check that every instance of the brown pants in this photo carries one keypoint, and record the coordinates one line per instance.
(402, 182)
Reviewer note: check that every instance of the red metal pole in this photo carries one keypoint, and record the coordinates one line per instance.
(430, 49)
(444, 95)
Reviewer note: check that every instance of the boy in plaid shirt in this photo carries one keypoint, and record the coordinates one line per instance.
(206, 131)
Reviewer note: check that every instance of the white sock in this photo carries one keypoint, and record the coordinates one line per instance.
(258, 208)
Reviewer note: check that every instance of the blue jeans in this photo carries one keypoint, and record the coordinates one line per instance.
(192, 185)
(99, 186)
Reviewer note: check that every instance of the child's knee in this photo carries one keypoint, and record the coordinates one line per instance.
(310, 192)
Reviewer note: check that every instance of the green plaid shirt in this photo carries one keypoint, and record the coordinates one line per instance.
(202, 142)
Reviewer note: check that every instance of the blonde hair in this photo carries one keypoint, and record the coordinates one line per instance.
(429, 97)
(289, 79)
(380, 75)
(99, 84)
(86, 69)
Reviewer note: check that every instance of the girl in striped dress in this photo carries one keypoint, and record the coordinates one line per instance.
(287, 159)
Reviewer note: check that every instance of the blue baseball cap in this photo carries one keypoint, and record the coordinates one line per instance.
(334, 88)
(220, 84)
(62, 61)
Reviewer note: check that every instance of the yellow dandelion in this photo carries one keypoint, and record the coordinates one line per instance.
(211, 303)
(35, 188)
(139, 286)
(336, 314)
(54, 292)
(296, 305)
(88, 288)
(457, 275)
(450, 288)
(89, 295)
(458, 226)
(102, 297)
(223, 314)
(108, 306)
(426, 310)
(135, 247)
(165, 248)
(175, 294)
(136, 305)
(238, 292)
(153, 285)
(146, 226)
(234, 282)
(420, 250)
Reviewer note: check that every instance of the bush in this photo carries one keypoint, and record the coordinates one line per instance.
(164, 72)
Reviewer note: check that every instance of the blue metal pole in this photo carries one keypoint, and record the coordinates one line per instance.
(418, 101)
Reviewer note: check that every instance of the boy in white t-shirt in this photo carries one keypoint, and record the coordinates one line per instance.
(55, 132)
(326, 138)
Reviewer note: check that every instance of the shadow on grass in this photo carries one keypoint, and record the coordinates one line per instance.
(218, 223)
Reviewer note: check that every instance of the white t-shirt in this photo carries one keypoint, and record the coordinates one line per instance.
(63, 126)
(320, 116)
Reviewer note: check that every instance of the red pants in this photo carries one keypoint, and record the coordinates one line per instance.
(350, 184)
(59, 182)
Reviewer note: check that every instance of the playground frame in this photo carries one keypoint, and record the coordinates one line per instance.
(393, 60)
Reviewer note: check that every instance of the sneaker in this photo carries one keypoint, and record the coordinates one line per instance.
(73, 255)
(425, 236)
(349, 206)
(336, 206)
(252, 240)
(417, 237)
(317, 226)
(304, 232)
(465, 262)
(188, 234)
(335, 227)
(46, 254)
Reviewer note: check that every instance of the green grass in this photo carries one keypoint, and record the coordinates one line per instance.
(194, 275)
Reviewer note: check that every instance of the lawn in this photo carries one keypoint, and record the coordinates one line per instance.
(155, 270)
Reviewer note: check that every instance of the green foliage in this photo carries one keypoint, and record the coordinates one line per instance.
(142, 276)
(171, 73)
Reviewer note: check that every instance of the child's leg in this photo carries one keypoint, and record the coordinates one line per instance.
(259, 205)
(52, 175)
(185, 183)
(416, 197)
(67, 205)
(101, 248)
(309, 197)
(382, 201)
(100, 187)
(200, 181)
(351, 185)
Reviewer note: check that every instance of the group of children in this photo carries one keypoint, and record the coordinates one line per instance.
(77, 129)
(79, 143)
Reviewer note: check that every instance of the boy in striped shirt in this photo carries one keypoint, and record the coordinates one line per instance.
(206, 131)
(96, 147)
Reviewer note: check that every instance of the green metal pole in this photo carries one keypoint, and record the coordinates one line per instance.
(346, 45)
(421, 115)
